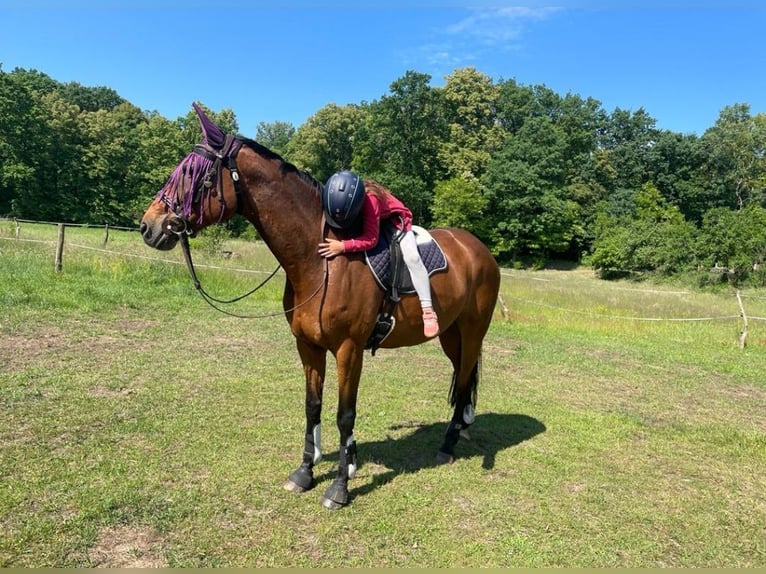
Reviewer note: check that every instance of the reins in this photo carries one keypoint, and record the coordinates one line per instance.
(210, 300)
(227, 157)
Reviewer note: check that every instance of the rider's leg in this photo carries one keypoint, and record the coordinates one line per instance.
(420, 281)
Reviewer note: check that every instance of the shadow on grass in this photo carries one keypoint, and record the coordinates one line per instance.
(415, 451)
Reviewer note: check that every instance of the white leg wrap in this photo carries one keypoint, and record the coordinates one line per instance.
(317, 432)
(468, 414)
(352, 466)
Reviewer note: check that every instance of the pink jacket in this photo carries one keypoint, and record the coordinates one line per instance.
(373, 212)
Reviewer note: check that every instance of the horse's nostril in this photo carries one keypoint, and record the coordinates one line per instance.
(143, 228)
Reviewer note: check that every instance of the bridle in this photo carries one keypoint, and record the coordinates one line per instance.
(226, 156)
(210, 182)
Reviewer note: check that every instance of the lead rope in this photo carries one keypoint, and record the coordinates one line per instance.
(210, 300)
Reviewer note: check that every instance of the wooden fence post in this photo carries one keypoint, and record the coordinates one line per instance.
(18, 227)
(106, 233)
(503, 308)
(743, 332)
(59, 248)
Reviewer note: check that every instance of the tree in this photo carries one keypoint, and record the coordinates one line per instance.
(58, 170)
(735, 241)
(626, 138)
(674, 166)
(325, 143)
(656, 238)
(111, 138)
(90, 99)
(399, 140)
(527, 195)
(459, 203)
(276, 135)
(22, 130)
(470, 102)
(735, 149)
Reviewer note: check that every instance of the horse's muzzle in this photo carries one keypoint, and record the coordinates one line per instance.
(162, 234)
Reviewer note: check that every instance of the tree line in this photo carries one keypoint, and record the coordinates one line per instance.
(535, 174)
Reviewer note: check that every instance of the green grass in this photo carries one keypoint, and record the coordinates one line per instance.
(140, 427)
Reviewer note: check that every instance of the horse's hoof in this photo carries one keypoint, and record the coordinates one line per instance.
(331, 504)
(336, 495)
(444, 458)
(290, 486)
(300, 480)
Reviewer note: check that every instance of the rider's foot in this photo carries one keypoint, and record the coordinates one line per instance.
(430, 323)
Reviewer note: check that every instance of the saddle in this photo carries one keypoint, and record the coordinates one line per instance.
(392, 275)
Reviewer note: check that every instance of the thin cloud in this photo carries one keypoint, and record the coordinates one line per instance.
(468, 40)
(499, 27)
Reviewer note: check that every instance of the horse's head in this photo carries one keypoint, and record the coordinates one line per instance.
(195, 196)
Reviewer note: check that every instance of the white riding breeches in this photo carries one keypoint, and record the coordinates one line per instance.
(418, 271)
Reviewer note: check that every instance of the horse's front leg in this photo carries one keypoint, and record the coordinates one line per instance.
(349, 358)
(314, 362)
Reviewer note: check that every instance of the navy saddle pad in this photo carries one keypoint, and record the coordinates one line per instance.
(379, 260)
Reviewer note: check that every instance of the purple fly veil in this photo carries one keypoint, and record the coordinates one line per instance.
(178, 191)
(211, 133)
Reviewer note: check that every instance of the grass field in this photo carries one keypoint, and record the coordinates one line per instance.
(139, 427)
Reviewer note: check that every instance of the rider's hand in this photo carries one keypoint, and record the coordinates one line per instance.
(330, 248)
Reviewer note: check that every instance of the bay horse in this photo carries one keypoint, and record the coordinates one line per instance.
(330, 305)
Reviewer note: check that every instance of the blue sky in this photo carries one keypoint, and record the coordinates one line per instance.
(681, 60)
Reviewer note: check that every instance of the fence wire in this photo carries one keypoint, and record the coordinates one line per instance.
(504, 273)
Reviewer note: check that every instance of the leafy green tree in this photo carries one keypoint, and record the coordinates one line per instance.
(36, 83)
(656, 238)
(735, 149)
(22, 131)
(159, 147)
(515, 104)
(626, 138)
(111, 143)
(399, 141)
(275, 135)
(674, 166)
(325, 143)
(90, 99)
(735, 242)
(60, 177)
(527, 194)
(460, 203)
(470, 102)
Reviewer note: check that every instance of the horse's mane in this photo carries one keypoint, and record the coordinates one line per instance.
(285, 166)
(216, 137)
(194, 166)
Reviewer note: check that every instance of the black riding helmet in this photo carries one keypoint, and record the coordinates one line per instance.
(342, 198)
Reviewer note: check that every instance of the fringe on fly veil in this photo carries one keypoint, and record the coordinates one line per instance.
(194, 167)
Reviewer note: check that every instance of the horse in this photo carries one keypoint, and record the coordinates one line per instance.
(330, 305)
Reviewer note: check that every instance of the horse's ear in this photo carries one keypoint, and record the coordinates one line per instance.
(211, 133)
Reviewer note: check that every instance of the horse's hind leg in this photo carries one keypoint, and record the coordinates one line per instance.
(314, 362)
(465, 354)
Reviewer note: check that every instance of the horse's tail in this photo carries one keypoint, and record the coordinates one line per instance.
(474, 378)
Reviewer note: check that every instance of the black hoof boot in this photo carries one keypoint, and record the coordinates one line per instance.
(444, 457)
(446, 453)
(300, 480)
(336, 495)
